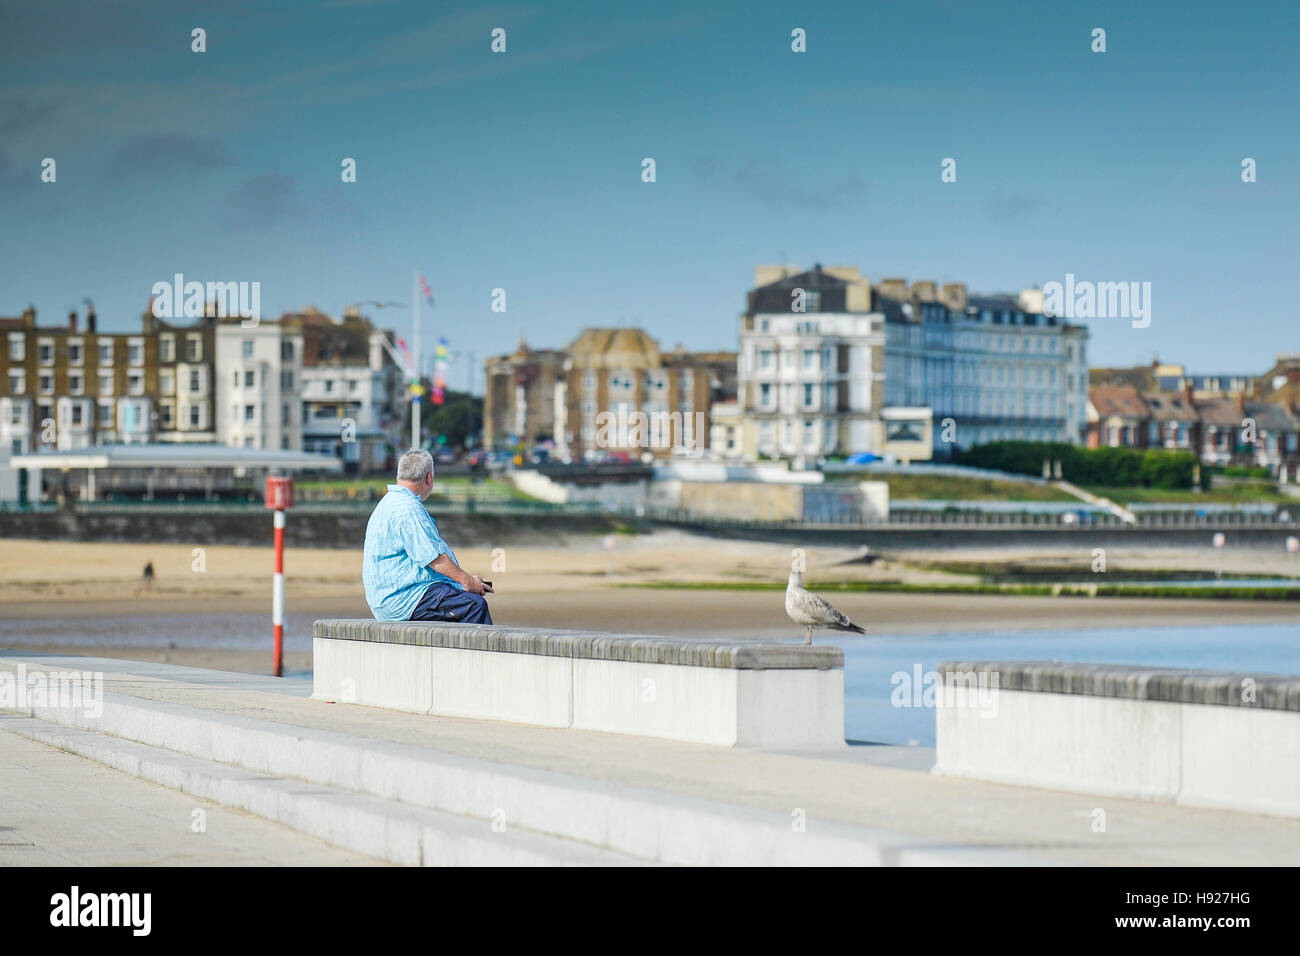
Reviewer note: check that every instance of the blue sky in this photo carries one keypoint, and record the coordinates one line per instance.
(522, 170)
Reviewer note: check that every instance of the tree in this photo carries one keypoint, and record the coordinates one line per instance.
(458, 418)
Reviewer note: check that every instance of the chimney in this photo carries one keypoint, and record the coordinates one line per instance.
(29, 317)
(893, 289)
(953, 295)
(924, 291)
(90, 319)
(72, 321)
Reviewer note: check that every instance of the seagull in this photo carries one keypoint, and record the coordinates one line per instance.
(808, 609)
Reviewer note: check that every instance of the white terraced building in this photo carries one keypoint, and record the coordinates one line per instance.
(993, 367)
(257, 383)
(811, 382)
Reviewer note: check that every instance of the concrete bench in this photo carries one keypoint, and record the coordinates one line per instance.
(1200, 738)
(732, 693)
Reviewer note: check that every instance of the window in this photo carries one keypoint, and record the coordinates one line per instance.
(765, 395)
(106, 415)
(235, 378)
(135, 383)
(765, 358)
(193, 348)
(165, 415)
(17, 383)
(250, 379)
(809, 359)
(284, 414)
(807, 396)
(75, 383)
(787, 360)
(45, 352)
(352, 386)
(76, 353)
(194, 381)
(17, 347)
(167, 348)
(286, 381)
(15, 414)
(249, 412)
(105, 383)
(329, 384)
(166, 381)
(106, 353)
(248, 348)
(76, 416)
(135, 352)
(286, 350)
(47, 383)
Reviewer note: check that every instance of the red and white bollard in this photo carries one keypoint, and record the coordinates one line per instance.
(279, 496)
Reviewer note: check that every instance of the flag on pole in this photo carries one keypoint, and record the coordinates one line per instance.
(439, 367)
(424, 287)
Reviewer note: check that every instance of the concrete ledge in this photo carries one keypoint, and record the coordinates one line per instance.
(716, 692)
(1225, 689)
(1196, 738)
(588, 645)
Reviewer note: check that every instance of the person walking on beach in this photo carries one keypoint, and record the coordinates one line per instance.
(410, 573)
(147, 583)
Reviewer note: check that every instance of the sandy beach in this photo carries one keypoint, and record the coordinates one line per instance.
(576, 585)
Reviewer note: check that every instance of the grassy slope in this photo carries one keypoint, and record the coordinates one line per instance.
(943, 487)
(1240, 494)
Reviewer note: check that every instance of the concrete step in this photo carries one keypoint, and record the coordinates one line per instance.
(384, 829)
(346, 770)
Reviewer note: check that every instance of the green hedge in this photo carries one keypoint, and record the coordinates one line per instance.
(1110, 467)
(1238, 471)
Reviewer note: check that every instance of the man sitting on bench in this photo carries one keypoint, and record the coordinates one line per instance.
(409, 572)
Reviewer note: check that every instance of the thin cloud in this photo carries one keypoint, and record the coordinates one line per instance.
(778, 190)
(165, 154)
(20, 114)
(1007, 207)
(270, 199)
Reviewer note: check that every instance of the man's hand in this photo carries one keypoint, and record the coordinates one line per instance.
(472, 583)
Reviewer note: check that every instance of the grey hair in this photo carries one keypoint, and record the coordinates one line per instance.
(415, 466)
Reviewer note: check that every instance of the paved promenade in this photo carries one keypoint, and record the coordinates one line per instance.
(881, 788)
(61, 810)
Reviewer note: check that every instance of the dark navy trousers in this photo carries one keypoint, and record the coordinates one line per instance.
(445, 602)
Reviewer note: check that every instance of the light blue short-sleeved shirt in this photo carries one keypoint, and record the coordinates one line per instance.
(401, 541)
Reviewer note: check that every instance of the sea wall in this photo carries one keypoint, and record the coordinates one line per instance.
(306, 527)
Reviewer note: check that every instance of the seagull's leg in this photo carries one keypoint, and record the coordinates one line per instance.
(808, 639)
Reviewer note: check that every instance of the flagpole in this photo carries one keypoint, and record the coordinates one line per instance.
(415, 335)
